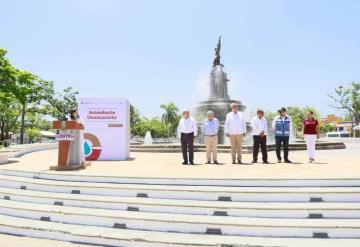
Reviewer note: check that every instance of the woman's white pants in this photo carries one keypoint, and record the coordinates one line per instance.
(310, 145)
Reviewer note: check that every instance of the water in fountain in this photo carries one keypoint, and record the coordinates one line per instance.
(148, 140)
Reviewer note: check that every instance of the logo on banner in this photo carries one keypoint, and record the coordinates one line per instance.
(92, 147)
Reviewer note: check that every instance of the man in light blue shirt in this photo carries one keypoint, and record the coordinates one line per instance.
(211, 130)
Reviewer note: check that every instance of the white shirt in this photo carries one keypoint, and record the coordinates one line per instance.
(258, 125)
(235, 124)
(187, 125)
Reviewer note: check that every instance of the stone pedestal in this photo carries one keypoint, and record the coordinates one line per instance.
(219, 102)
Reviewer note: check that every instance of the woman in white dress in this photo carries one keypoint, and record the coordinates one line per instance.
(77, 154)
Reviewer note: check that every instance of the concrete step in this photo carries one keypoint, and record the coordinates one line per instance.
(122, 237)
(208, 193)
(175, 206)
(63, 176)
(194, 224)
(7, 240)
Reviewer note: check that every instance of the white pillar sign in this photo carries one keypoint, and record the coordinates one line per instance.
(107, 128)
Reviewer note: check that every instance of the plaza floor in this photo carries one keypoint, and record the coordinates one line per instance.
(330, 164)
(265, 204)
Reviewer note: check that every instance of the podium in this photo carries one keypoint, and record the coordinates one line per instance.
(68, 139)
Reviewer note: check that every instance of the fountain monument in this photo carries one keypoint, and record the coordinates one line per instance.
(219, 100)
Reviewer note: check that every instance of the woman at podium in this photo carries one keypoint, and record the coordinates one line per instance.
(77, 155)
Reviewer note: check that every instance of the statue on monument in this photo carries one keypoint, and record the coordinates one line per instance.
(218, 78)
(217, 54)
(219, 100)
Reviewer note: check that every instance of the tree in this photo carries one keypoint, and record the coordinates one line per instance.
(348, 100)
(325, 128)
(35, 120)
(170, 117)
(33, 134)
(30, 91)
(7, 72)
(134, 120)
(9, 114)
(60, 104)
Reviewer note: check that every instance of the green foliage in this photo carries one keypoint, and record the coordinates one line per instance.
(26, 96)
(10, 111)
(325, 128)
(170, 117)
(32, 134)
(35, 120)
(30, 91)
(7, 72)
(348, 100)
(159, 128)
(134, 120)
(60, 104)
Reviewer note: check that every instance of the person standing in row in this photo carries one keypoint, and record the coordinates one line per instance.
(311, 132)
(235, 129)
(282, 126)
(259, 132)
(187, 131)
(211, 130)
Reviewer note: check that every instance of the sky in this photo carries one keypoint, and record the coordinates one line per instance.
(276, 53)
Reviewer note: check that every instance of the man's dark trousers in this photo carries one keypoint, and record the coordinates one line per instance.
(260, 141)
(285, 141)
(187, 143)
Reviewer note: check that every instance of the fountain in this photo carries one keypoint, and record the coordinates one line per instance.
(219, 100)
(148, 140)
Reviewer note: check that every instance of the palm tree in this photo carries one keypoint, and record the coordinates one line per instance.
(170, 117)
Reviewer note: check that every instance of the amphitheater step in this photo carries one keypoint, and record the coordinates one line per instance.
(18, 240)
(61, 176)
(209, 193)
(195, 224)
(122, 237)
(176, 206)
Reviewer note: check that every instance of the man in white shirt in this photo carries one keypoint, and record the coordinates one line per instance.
(235, 129)
(259, 132)
(187, 131)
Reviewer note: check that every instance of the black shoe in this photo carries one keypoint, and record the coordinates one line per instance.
(266, 162)
(254, 161)
(192, 163)
(233, 162)
(184, 163)
(208, 162)
(279, 161)
(287, 161)
(239, 162)
(215, 162)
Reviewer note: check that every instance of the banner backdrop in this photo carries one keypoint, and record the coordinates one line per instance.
(107, 128)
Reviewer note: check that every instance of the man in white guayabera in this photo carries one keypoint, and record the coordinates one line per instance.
(187, 131)
(235, 129)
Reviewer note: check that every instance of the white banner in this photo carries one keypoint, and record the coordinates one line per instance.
(107, 128)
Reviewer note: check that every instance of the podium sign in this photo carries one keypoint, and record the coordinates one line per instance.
(64, 138)
(107, 128)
